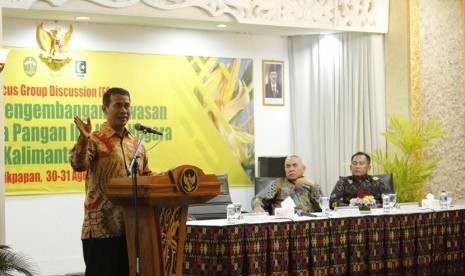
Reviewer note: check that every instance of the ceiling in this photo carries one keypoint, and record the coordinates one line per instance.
(184, 23)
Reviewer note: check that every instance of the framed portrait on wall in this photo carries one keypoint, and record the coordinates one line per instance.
(273, 82)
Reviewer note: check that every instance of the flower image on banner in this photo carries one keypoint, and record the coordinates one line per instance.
(228, 100)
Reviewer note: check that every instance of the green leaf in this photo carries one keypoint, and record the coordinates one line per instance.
(410, 165)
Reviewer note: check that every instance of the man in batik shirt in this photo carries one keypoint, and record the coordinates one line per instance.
(347, 188)
(105, 154)
(304, 192)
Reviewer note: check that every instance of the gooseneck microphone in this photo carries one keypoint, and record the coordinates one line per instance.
(147, 129)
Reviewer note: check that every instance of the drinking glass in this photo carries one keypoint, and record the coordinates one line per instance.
(449, 200)
(392, 200)
(237, 210)
(324, 203)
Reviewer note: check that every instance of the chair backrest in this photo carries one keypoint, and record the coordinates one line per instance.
(215, 208)
(262, 182)
(387, 179)
(271, 166)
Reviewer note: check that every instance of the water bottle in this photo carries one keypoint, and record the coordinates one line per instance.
(386, 203)
(443, 200)
(230, 214)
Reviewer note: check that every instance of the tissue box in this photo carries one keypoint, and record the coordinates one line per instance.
(284, 212)
(430, 203)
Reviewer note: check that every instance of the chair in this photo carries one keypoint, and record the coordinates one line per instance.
(260, 184)
(387, 179)
(271, 166)
(215, 208)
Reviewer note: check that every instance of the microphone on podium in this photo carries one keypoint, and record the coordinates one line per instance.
(140, 127)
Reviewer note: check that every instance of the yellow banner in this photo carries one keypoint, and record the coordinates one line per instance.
(203, 106)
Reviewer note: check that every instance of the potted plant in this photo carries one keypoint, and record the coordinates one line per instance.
(364, 201)
(13, 263)
(410, 164)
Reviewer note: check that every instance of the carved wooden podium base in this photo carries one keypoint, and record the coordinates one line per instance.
(162, 212)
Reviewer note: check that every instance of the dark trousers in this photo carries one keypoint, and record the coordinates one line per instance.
(106, 257)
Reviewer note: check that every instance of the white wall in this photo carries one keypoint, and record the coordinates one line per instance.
(2, 152)
(47, 227)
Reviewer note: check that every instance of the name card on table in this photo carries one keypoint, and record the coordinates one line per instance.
(408, 206)
(284, 213)
(256, 217)
(347, 210)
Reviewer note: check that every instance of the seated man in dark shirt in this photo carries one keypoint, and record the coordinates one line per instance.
(304, 192)
(347, 188)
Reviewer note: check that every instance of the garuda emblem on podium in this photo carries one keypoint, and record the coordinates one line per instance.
(55, 44)
(189, 180)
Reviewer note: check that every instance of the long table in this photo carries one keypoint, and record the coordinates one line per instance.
(418, 242)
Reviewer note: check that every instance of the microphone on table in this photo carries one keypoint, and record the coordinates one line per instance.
(307, 214)
(147, 129)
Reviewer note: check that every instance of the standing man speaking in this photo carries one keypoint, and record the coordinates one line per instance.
(104, 154)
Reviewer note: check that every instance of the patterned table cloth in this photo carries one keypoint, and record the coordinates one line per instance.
(423, 243)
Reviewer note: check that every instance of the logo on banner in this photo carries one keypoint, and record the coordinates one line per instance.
(80, 68)
(30, 66)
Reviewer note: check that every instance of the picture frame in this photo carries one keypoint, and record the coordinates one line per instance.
(273, 82)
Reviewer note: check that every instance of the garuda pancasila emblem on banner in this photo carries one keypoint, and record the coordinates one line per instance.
(54, 44)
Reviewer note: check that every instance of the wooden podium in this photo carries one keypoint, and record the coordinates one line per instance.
(161, 214)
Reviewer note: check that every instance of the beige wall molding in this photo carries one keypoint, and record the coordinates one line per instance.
(416, 107)
(333, 15)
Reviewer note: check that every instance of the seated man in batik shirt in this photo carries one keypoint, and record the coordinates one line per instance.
(304, 192)
(348, 187)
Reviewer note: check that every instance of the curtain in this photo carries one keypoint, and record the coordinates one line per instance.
(337, 86)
